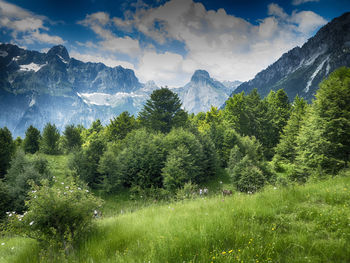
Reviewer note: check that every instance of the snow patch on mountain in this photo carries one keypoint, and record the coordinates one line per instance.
(104, 99)
(31, 67)
(319, 67)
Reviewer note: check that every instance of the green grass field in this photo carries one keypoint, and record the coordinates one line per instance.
(309, 223)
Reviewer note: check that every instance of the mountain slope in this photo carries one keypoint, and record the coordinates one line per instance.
(36, 88)
(300, 70)
(202, 92)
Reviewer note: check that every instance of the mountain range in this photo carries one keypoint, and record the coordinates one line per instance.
(36, 88)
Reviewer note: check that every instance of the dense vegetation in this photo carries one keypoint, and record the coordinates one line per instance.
(165, 155)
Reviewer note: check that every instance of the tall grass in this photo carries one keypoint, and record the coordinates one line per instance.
(309, 223)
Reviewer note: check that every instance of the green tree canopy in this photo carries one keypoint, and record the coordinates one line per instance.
(163, 111)
(32, 140)
(7, 148)
(72, 138)
(324, 141)
(120, 126)
(51, 136)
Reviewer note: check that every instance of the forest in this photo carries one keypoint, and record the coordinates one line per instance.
(104, 193)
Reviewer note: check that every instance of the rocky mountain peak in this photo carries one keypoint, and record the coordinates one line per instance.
(60, 51)
(200, 75)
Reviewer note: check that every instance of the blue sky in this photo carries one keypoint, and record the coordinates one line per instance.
(166, 41)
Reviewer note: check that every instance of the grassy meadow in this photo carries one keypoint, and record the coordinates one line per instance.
(297, 223)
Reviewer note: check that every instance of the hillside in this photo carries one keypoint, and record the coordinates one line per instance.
(306, 223)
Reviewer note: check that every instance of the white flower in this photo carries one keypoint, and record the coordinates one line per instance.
(79, 188)
(66, 187)
(31, 223)
(62, 183)
(12, 248)
(34, 191)
(35, 196)
(87, 191)
(2, 244)
(53, 176)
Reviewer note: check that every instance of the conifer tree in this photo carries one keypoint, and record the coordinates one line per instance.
(32, 139)
(163, 111)
(49, 142)
(7, 148)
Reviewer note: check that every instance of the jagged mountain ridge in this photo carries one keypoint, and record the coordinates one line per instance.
(202, 92)
(36, 88)
(300, 70)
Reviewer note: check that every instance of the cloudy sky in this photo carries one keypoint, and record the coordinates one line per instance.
(166, 41)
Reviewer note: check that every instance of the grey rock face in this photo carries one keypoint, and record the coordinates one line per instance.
(36, 88)
(300, 71)
(202, 92)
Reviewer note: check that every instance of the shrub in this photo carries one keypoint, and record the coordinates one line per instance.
(57, 216)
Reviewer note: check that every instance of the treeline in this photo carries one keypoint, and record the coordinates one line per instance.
(258, 141)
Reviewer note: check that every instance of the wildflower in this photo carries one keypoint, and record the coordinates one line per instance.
(62, 183)
(66, 187)
(31, 223)
(213, 257)
(230, 251)
(34, 191)
(87, 191)
(12, 248)
(3, 244)
(273, 229)
(79, 188)
(223, 253)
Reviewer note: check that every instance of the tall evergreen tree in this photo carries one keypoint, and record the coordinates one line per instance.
(163, 111)
(324, 141)
(120, 126)
(7, 148)
(32, 140)
(72, 137)
(51, 136)
(286, 149)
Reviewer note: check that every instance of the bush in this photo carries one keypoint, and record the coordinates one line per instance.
(247, 166)
(22, 170)
(57, 216)
(188, 191)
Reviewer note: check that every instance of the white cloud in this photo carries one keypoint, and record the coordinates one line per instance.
(276, 10)
(307, 21)
(96, 58)
(29, 25)
(166, 68)
(299, 2)
(228, 47)
(99, 23)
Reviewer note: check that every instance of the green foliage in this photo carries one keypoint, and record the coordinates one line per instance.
(182, 138)
(247, 167)
(163, 111)
(84, 162)
(263, 119)
(57, 215)
(179, 168)
(188, 191)
(32, 140)
(50, 138)
(5, 199)
(324, 142)
(138, 164)
(286, 149)
(21, 172)
(7, 148)
(120, 126)
(72, 138)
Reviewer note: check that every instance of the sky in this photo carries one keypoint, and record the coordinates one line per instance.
(166, 41)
